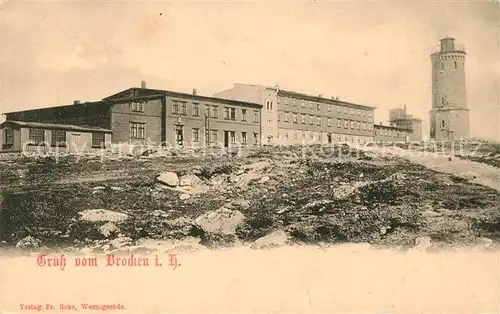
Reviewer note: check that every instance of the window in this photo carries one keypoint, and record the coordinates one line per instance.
(286, 116)
(442, 124)
(214, 112)
(286, 135)
(196, 135)
(58, 138)
(318, 120)
(184, 108)
(364, 125)
(243, 137)
(311, 121)
(294, 135)
(329, 122)
(196, 109)
(303, 117)
(302, 104)
(442, 66)
(352, 110)
(269, 105)
(346, 124)
(256, 116)
(352, 125)
(256, 138)
(138, 130)
(370, 127)
(243, 115)
(232, 135)
(213, 136)
(318, 107)
(98, 140)
(232, 113)
(339, 123)
(207, 110)
(442, 101)
(175, 107)
(455, 65)
(137, 106)
(357, 125)
(8, 138)
(36, 136)
(329, 107)
(294, 118)
(226, 113)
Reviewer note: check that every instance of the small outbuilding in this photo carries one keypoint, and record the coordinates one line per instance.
(21, 136)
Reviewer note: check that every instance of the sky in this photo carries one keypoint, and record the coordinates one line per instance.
(372, 53)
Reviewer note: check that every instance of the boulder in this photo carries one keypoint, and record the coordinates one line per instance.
(189, 180)
(275, 239)
(169, 178)
(102, 215)
(107, 229)
(264, 179)
(423, 243)
(220, 221)
(28, 242)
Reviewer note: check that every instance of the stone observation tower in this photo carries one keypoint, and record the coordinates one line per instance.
(449, 116)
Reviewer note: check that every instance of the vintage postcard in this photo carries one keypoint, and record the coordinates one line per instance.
(249, 156)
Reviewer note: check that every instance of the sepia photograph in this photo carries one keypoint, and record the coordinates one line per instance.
(249, 156)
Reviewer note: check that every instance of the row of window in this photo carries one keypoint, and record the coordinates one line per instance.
(180, 108)
(346, 123)
(232, 136)
(314, 136)
(389, 133)
(455, 66)
(340, 109)
(57, 137)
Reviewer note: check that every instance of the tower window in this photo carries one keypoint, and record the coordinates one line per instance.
(455, 65)
(442, 66)
(442, 101)
(442, 124)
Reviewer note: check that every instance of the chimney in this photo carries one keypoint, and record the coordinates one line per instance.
(76, 102)
(195, 92)
(320, 96)
(143, 84)
(336, 98)
(380, 123)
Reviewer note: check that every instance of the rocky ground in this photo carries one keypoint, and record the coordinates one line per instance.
(268, 197)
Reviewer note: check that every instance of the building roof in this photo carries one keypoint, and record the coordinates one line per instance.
(136, 92)
(286, 93)
(81, 105)
(380, 126)
(406, 119)
(67, 127)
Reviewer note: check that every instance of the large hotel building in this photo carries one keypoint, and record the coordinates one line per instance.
(289, 117)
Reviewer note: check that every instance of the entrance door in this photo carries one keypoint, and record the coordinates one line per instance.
(179, 134)
(226, 138)
(329, 137)
(76, 143)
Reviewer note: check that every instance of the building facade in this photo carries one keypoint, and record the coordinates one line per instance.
(141, 117)
(294, 118)
(391, 134)
(399, 118)
(449, 116)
